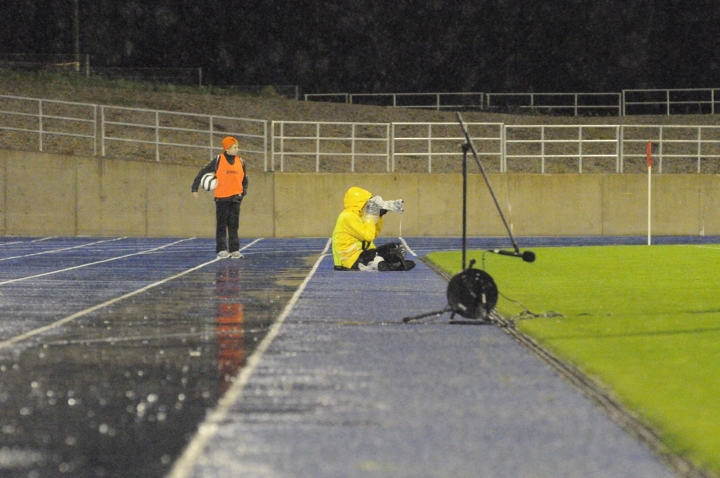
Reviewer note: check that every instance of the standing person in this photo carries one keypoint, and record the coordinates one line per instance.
(232, 184)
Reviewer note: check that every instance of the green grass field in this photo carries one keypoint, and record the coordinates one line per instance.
(644, 321)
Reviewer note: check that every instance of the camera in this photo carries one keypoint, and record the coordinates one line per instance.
(376, 203)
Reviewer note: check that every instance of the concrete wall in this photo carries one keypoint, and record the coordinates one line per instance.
(48, 194)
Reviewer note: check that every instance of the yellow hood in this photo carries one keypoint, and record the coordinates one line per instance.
(355, 198)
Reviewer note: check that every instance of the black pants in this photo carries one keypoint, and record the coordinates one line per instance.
(227, 215)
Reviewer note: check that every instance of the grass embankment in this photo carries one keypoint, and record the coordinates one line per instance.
(644, 321)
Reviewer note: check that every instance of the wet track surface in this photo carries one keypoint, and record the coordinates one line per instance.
(347, 390)
(114, 350)
(119, 389)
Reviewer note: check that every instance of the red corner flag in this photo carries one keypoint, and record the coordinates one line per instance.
(648, 153)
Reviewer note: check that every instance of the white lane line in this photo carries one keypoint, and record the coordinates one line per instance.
(407, 248)
(61, 249)
(28, 242)
(185, 464)
(76, 315)
(93, 263)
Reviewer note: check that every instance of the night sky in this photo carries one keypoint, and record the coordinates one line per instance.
(372, 46)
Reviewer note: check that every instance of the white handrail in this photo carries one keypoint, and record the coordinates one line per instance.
(371, 141)
(42, 129)
(211, 125)
(648, 101)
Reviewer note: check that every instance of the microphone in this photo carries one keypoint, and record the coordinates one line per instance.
(527, 256)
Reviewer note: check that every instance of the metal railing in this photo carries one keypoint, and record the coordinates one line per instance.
(436, 141)
(435, 101)
(552, 146)
(577, 103)
(631, 101)
(562, 142)
(327, 146)
(673, 101)
(167, 129)
(144, 132)
(323, 142)
(673, 146)
(60, 126)
(49, 118)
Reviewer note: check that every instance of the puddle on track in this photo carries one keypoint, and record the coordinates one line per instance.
(119, 392)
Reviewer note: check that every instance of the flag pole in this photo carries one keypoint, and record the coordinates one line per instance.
(648, 153)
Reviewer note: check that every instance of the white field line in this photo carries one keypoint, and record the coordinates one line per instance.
(92, 263)
(186, 462)
(76, 315)
(61, 249)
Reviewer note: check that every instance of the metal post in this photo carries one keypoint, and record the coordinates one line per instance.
(265, 147)
(40, 124)
(95, 107)
(157, 136)
(391, 148)
(503, 148)
(352, 150)
(576, 104)
(660, 148)
(580, 149)
(102, 130)
(712, 99)
(620, 135)
(465, 149)
(282, 146)
(699, 147)
(429, 148)
(542, 149)
(388, 152)
(212, 130)
(317, 147)
(76, 34)
(272, 145)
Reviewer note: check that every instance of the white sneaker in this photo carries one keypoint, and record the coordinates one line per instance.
(236, 255)
(223, 255)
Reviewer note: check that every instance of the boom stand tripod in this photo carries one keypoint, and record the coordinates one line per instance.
(472, 293)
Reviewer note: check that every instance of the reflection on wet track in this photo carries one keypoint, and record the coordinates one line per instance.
(120, 389)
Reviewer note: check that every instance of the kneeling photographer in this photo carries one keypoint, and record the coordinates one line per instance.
(357, 226)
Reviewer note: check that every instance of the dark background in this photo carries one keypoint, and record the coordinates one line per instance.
(363, 46)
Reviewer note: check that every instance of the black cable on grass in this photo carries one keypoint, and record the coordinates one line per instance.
(526, 313)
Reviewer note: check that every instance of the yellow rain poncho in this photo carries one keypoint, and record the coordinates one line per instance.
(352, 234)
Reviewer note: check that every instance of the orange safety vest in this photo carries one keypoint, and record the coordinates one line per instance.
(229, 177)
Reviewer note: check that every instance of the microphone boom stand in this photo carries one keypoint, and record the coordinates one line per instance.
(469, 145)
(472, 293)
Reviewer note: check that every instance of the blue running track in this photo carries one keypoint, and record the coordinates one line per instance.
(150, 357)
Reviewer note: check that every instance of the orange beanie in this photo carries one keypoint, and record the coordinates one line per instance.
(228, 141)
